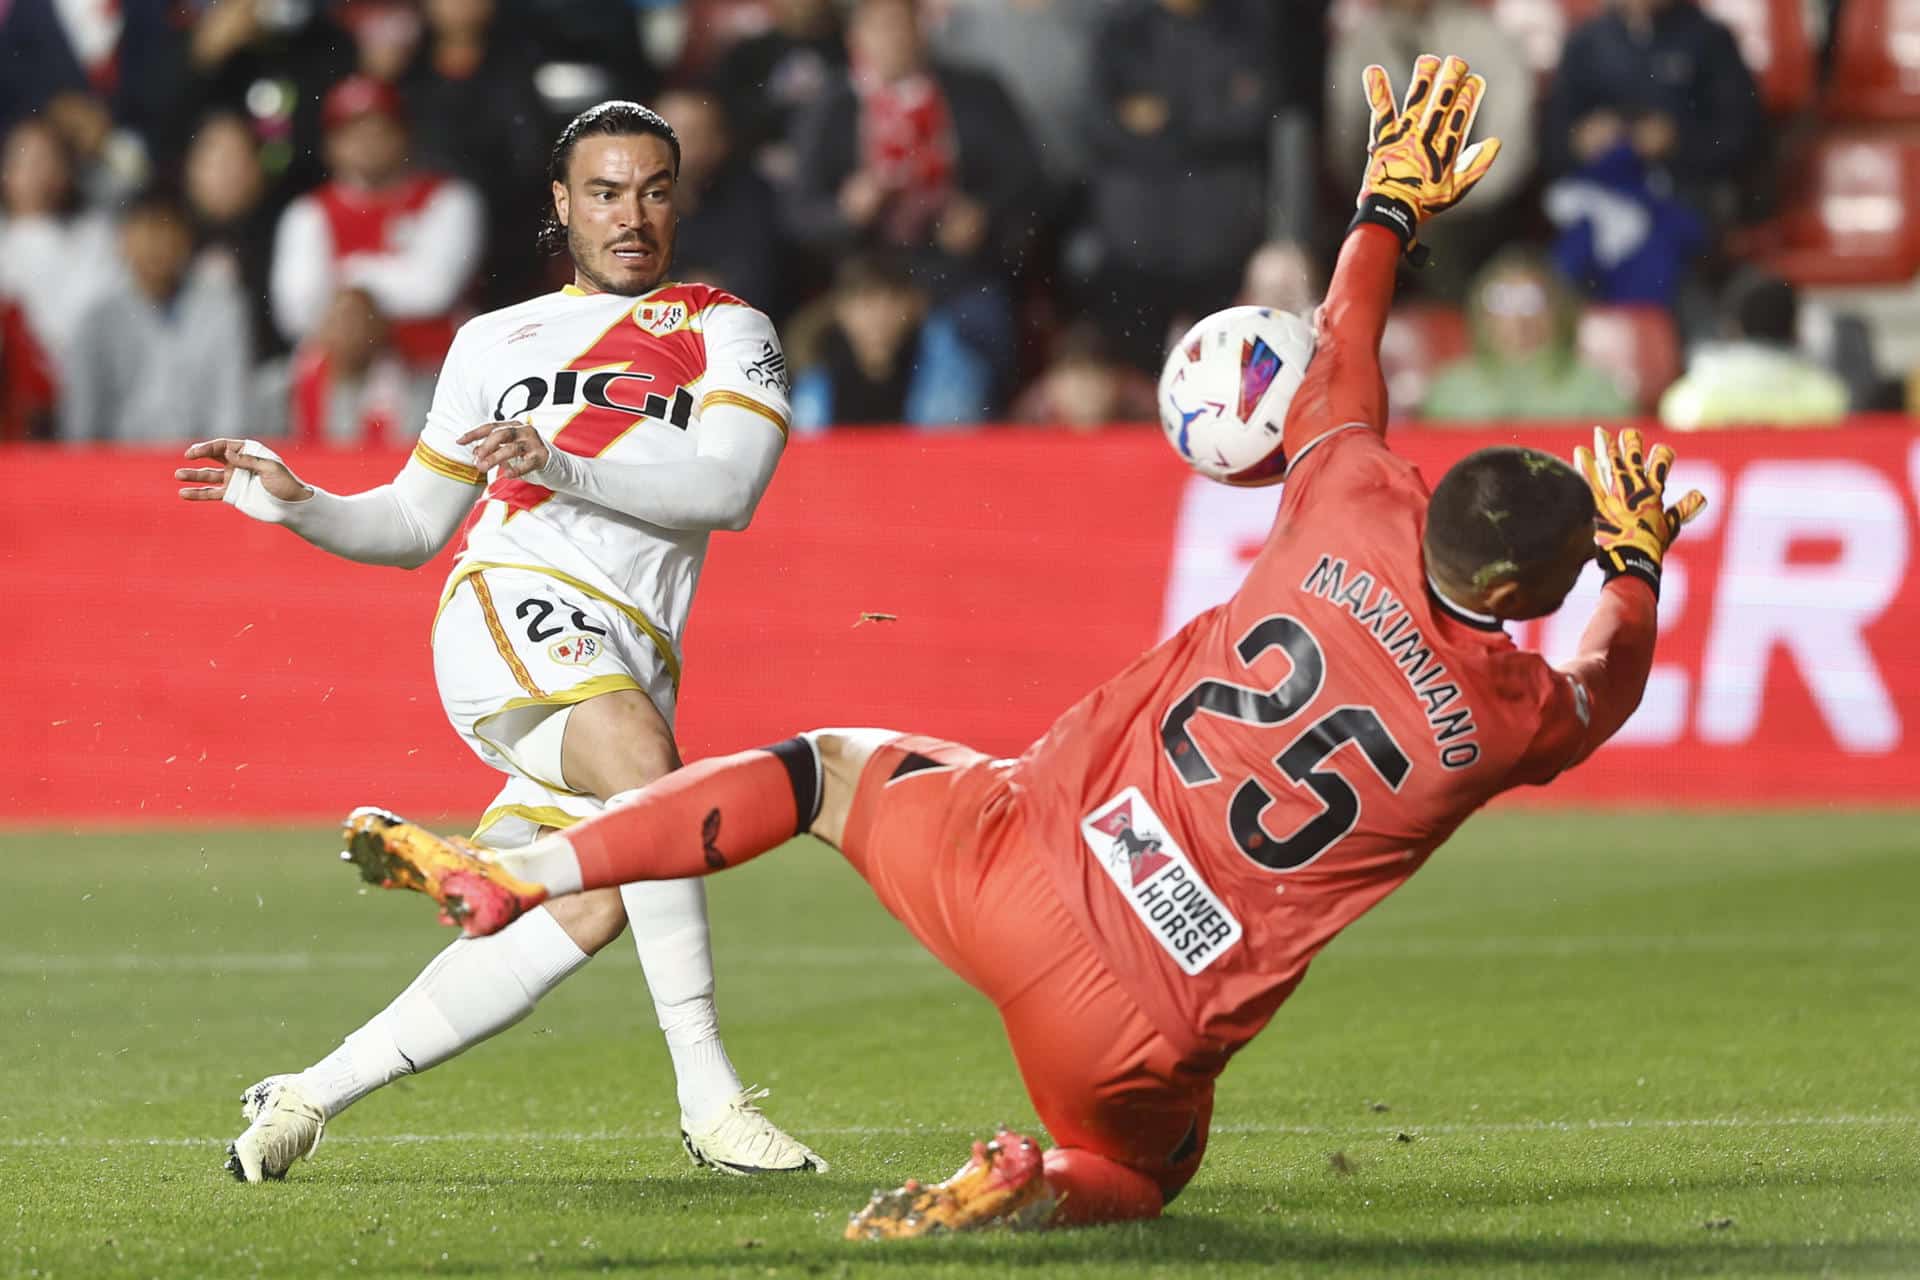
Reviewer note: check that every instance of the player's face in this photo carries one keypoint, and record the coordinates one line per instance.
(617, 207)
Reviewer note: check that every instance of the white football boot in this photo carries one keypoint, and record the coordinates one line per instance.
(282, 1126)
(744, 1141)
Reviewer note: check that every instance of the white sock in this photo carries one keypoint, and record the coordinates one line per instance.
(669, 923)
(474, 989)
(548, 861)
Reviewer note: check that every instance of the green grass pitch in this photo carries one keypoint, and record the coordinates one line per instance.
(1573, 1045)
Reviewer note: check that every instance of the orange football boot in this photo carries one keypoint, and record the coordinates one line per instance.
(473, 893)
(1002, 1184)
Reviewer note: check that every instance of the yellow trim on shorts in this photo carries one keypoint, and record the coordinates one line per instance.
(441, 464)
(567, 697)
(574, 694)
(521, 675)
(540, 815)
(740, 401)
(645, 625)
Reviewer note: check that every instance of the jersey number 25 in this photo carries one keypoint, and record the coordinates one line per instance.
(1300, 762)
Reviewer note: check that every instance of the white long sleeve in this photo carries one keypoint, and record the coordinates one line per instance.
(736, 450)
(403, 523)
(444, 242)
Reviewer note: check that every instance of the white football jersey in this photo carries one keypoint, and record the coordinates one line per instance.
(600, 375)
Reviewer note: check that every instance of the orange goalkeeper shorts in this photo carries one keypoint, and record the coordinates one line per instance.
(932, 830)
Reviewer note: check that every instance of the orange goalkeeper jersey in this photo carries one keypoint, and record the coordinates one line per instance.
(1218, 811)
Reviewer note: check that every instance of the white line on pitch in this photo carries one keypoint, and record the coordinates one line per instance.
(903, 1131)
(745, 957)
(55, 963)
(1576, 944)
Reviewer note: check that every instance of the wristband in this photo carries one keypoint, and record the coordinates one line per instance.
(1629, 562)
(1397, 216)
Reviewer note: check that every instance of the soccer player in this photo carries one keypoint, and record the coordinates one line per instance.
(1142, 889)
(624, 418)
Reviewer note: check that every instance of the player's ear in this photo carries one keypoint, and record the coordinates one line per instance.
(560, 203)
(1504, 599)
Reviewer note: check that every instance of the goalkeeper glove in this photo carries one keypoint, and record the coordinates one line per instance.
(1417, 164)
(1633, 526)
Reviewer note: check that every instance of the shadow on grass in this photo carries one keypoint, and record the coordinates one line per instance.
(1237, 1228)
(1220, 1245)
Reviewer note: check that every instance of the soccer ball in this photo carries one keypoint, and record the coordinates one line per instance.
(1225, 388)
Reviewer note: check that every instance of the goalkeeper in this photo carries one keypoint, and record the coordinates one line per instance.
(1140, 891)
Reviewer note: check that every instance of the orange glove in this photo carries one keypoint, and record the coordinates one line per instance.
(1633, 526)
(1417, 161)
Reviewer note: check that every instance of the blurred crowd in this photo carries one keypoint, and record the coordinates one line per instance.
(267, 217)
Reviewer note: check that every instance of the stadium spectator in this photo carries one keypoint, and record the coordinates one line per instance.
(110, 164)
(1393, 35)
(1085, 388)
(1282, 275)
(923, 159)
(386, 34)
(1623, 237)
(1185, 95)
(773, 79)
(728, 221)
(226, 190)
(274, 63)
(1524, 363)
(1661, 81)
(27, 386)
(129, 54)
(410, 239)
(168, 358)
(886, 357)
(53, 255)
(1042, 51)
(1756, 375)
(473, 106)
(345, 385)
(477, 116)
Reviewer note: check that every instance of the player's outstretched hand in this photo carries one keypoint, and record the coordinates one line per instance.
(1418, 163)
(1633, 525)
(209, 484)
(513, 445)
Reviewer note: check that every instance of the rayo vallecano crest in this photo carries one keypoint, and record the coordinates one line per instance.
(661, 318)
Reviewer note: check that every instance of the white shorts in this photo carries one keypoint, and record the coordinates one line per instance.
(524, 809)
(514, 651)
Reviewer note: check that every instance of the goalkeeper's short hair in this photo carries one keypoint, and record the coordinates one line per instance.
(1504, 514)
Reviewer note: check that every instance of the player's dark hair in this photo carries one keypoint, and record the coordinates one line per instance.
(1504, 514)
(612, 119)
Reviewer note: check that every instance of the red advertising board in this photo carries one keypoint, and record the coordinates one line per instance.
(161, 662)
